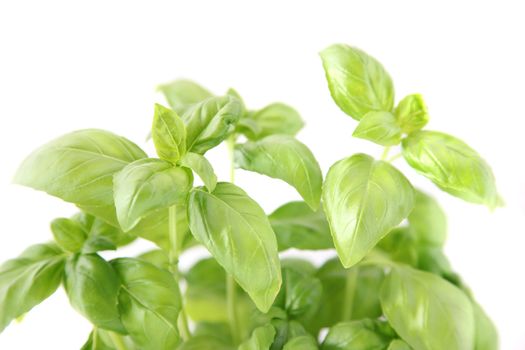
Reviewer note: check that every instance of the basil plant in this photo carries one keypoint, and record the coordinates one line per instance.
(389, 285)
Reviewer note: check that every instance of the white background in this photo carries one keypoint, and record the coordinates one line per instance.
(71, 65)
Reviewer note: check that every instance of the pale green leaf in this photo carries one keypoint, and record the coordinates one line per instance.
(202, 167)
(303, 342)
(358, 83)
(364, 334)
(183, 93)
(261, 339)
(276, 118)
(486, 333)
(428, 220)
(68, 234)
(398, 344)
(236, 231)
(363, 200)
(205, 342)
(169, 134)
(379, 127)
(411, 113)
(283, 157)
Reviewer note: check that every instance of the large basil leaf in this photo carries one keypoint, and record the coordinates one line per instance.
(149, 304)
(452, 165)
(296, 225)
(379, 127)
(236, 231)
(411, 113)
(276, 118)
(358, 83)
(181, 94)
(68, 234)
(303, 342)
(359, 335)
(283, 157)
(427, 311)
(428, 220)
(148, 185)
(79, 167)
(261, 339)
(169, 134)
(364, 199)
(486, 334)
(202, 167)
(92, 286)
(28, 280)
(210, 122)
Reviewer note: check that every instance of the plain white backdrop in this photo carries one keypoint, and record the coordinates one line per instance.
(67, 65)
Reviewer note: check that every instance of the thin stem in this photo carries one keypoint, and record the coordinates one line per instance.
(394, 157)
(117, 341)
(385, 153)
(350, 289)
(175, 247)
(230, 282)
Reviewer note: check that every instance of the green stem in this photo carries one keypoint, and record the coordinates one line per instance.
(175, 247)
(385, 153)
(350, 289)
(230, 281)
(394, 157)
(117, 341)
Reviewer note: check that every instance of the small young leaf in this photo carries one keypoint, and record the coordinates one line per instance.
(411, 113)
(362, 334)
(428, 220)
(78, 168)
(202, 167)
(92, 286)
(149, 304)
(169, 134)
(358, 83)
(28, 280)
(236, 231)
(261, 339)
(276, 118)
(452, 165)
(364, 199)
(182, 93)
(426, 311)
(283, 157)
(379, 127)
(68, 234)
(210, 122)
(147, 185)
(303, 342)
(297, 226)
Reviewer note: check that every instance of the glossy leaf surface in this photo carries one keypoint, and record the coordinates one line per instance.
(364, 334)
(379, 127)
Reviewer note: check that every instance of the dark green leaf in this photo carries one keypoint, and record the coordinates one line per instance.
(452, 165)
(358, 83)
(79, 167)
(276, 118)
(149, 304)
(28, 280)
(148, 185)
(92, 286)
(297, 226)
(364, 199)
(182, 93)
(236, 231)
(411, 113)
(427, 311)
(283, 157)
(261, 339)
(169, 134)
(202, 167)
(364, 334)
(428, 220)
(210, 122)
(379, 127)
(68, 234)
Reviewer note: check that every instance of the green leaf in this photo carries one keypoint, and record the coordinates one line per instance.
(149, 304)
(398, 344)
(169, 134)
(276, 118)
(303, 342)
(411, 113)
(261, 339)
(283, 157)
(426, 311)
(486, 337)
(452, 165)
(203, 342)
(78, 168)
(92, 286)
(202, 167)
(432, 259)
(401, 245)
(236, 231)
(358, 335)
(182, 93)
(285, 331)
(210, 122)
(148, 185)
(358, 83)
(28, 280)
(428, 220)
(219, 330)
(156, 257)
(364, 199)
(298, 226)
(379, 127)
(100, 339)
(68, 234)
